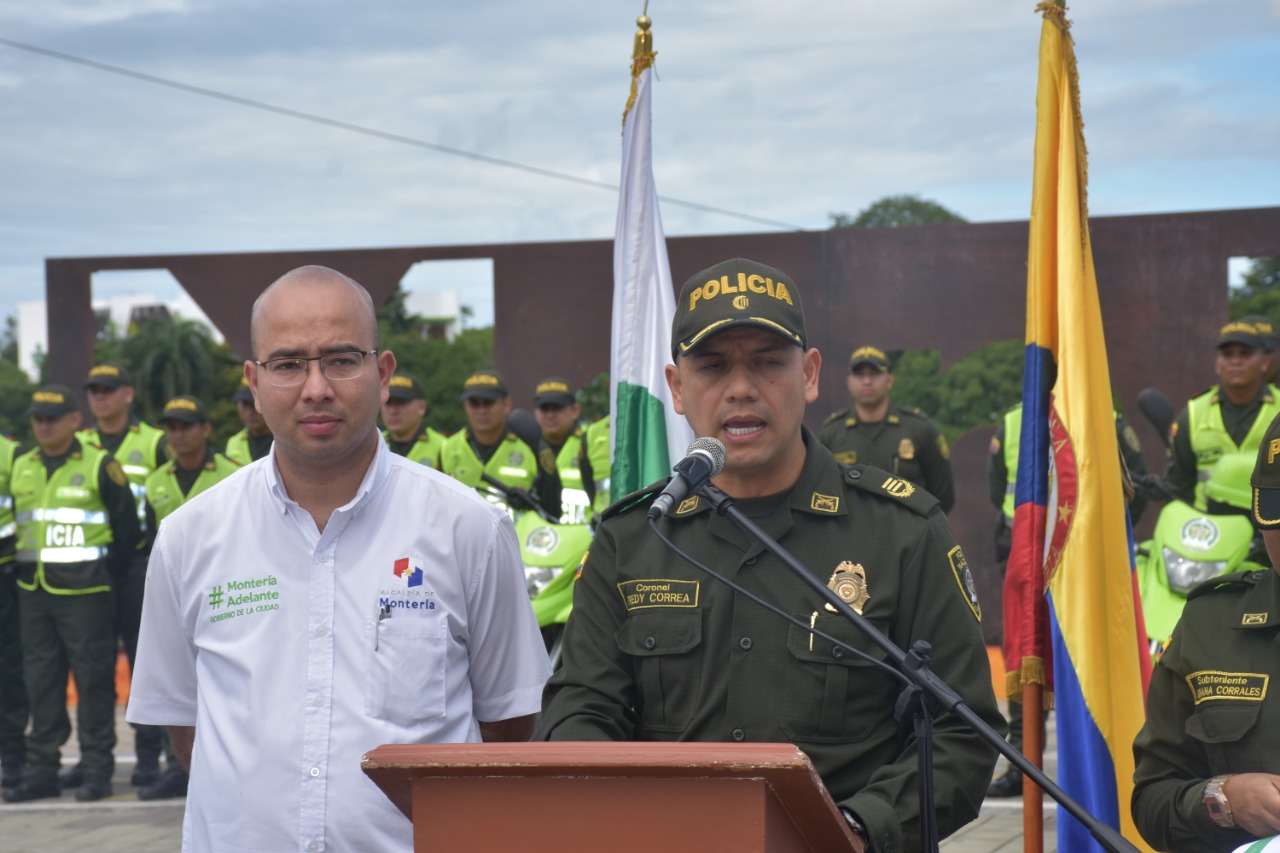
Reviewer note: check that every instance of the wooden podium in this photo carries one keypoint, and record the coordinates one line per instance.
(614, 797)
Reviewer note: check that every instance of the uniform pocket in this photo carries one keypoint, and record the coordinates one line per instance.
(406, 679)
(667, 668)
(1223, 726)
(830, 692)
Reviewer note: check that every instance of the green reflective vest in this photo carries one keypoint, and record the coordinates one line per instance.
(165, 495)
(238, 448)
(8, 449)
(1209, 437)
(1012, 438)
(426, 450)
(598, 452)
(513, 463)
(575, 507)
(63, 528)
(136, 455)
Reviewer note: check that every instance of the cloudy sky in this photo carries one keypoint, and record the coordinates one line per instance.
(785, 110)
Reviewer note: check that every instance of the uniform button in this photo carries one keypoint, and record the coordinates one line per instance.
(315, 771)
(745, 643)
(837, 652)
(650, 642)
(738, 734)
(855, 474)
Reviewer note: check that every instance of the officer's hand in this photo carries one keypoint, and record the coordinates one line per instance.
(1255, 802)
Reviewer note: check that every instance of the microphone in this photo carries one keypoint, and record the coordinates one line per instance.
(703, 460)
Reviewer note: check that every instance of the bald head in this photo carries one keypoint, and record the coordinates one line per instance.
(310, 282)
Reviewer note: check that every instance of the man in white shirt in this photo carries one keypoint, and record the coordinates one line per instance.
(326, 599)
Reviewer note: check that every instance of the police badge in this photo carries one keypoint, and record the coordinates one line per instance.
(906, 449)
(849, 582)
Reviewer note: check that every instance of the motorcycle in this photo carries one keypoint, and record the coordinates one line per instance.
(1190, 546)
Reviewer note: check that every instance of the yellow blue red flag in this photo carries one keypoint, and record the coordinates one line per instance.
(1072, 619)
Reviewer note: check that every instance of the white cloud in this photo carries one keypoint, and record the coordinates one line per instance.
(85, 12)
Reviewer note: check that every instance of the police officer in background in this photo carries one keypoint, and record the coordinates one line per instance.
(557, 410)
(600, 454)
(1207, 774)
(1002, 476)
(404, 414)
(875, 431)
(488, 447)
(77, 532)
(13, 693)
(1229, 417)
(253, 441)
(139, 448)
(193, 467)
(657, 650)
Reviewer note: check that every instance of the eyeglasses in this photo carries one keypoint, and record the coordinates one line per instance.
(291, 371)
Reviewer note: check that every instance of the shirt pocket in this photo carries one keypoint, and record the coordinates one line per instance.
(1223, 727)
(663, 648)
(828, 693)
(405, 682)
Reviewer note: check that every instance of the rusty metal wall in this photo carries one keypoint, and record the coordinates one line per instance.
(954, 288)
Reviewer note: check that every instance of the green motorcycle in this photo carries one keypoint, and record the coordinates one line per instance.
(551, 552)
(1190, 546)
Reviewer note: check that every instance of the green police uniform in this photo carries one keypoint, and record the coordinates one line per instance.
(511, 462)
(577, 480)
(657, 650)
(13, 693)
(905, 443)
(424, 447)
(169, 487)
(1211, 710)
(139, 450)
(243, 448)
(77, 531)
(598, 454)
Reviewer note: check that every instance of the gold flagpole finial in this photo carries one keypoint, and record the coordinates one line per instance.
(642, 56)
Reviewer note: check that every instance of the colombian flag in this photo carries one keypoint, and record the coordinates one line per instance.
(1072, 621)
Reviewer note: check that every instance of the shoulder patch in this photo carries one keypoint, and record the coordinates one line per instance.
(888, 487)
(547, 461)
(635, 499)
(115, 472)
(1235, 582)
(1131, 439)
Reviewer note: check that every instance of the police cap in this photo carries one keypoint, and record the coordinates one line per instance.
(404, 387)
(51, 401)
(187, 410)
(107, 375)
(244, 394)
(1266, 329)
(484, 385)
(1245, 333)
(553, 391)
(736, 292)
(869, 355)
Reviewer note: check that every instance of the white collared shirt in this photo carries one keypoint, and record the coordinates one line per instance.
(294, 651)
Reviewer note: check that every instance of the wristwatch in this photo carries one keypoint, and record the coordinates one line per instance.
(857, 827)
(1215, 800)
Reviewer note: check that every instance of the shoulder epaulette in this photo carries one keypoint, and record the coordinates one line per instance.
(881, 483)
(835, 416)
(636, 498)
(1236, 581)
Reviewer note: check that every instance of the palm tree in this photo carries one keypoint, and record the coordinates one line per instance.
(169, 357)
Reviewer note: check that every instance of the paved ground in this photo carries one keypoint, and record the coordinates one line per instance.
(123, 824)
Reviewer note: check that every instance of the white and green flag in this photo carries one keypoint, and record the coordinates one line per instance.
(648, 435)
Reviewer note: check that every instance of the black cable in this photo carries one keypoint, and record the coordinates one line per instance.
(374, 132)
(777, 611)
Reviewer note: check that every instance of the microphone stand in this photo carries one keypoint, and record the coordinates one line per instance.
(925, 688)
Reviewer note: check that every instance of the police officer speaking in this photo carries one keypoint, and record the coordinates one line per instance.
(876, 431)
(1207, 760)
(655, 650)
(77, 531)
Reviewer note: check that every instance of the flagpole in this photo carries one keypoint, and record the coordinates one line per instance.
(1033, 748)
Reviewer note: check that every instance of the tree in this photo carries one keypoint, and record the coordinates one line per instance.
(15, 399)
(975, 391)
(168, 357)
(594, 398)
(896, 211)
(1259, 292)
